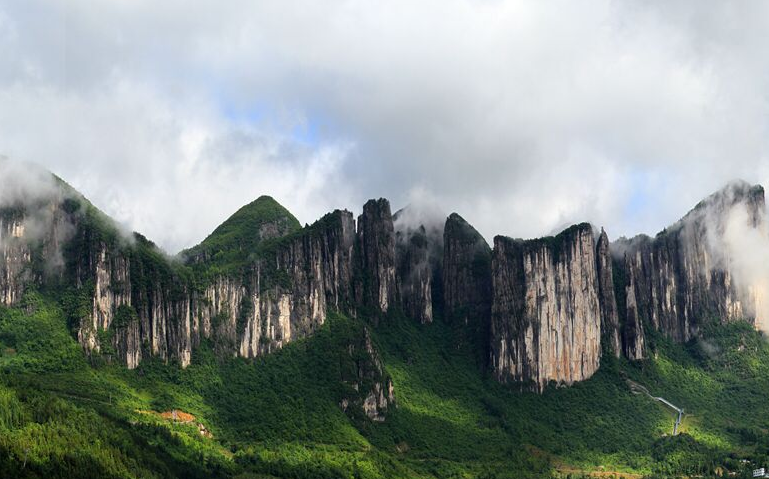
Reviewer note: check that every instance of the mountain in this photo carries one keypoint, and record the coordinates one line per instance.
(397, 345)
(237, 239)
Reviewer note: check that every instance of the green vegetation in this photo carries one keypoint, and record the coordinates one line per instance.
(237, 241)
(280, 415)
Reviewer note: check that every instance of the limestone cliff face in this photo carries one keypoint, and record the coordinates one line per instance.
(546, 316)
(320, 265)
(415, 274)
(537, 311)
(312, 274)
(633, 338)
(370, 388)
(467, 285)
(376, 286)
(32, 236)
(610, 331)
(141, 303)
(419, 257)
(467, 272)
(139, 307)
(15, 259)
(282, 297)
(685, 276)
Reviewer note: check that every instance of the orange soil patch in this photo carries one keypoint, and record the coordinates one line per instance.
(177, 415)
(180, 416)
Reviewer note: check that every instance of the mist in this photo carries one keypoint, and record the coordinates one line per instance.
(747, 247)
(522, 116)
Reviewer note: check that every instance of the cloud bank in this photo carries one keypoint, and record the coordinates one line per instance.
(522, 116)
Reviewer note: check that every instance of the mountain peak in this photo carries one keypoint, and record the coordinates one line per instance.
(240, 235)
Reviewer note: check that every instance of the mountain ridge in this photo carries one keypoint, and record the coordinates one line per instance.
(260, 280)
(376, 348)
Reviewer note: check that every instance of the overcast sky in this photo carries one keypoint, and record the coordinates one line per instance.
(522, 116)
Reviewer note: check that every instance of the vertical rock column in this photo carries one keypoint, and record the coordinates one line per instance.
(15, 259)
(466, 272)
(609, 317)
(376, 285)
(546, 318)
(415, 274)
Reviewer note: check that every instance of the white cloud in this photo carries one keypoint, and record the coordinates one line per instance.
(520, 115)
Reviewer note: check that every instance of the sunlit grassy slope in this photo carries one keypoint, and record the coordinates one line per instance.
(279, 416)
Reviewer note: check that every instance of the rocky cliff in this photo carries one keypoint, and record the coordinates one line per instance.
(467, 284)
(415, 273)
(368, 388)
(687, 275)
(130, 300)
(536, 311)
(610, 329)
(467, 272)
(545, 314)
(16, 256)
(376, 285)
(419, 256)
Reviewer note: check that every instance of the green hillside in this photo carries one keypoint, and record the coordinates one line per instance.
(236, 241)
(279, 416)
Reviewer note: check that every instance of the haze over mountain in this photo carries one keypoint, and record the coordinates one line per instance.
(525, 116)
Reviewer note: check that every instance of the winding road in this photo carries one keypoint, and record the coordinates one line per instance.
(637, 388)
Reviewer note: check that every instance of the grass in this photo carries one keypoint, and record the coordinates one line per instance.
(279, 416)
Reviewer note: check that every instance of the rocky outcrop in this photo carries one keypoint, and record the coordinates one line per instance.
(419, 256)
(467, 286)
(109, 274)
(319, 265)
(610, 332)
(686, 275)
(369, 389)
(15, 259)
(311, 275)
(633, 338)
(283, 296)
(415, 273)
(466, 273)
(32, 236)
(141, 303)
(376, 286)
(545, 316)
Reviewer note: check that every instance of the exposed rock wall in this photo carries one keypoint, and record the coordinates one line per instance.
(415, 274)
(538, 310)
(141, 306)
(419, 261)
(466, 272)
(683, 277)
(633, 338)
(284, 296)
(610, 331)
(377, 287)
(546, 317)
(370, 388)
(31, 240)
(15, 260)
